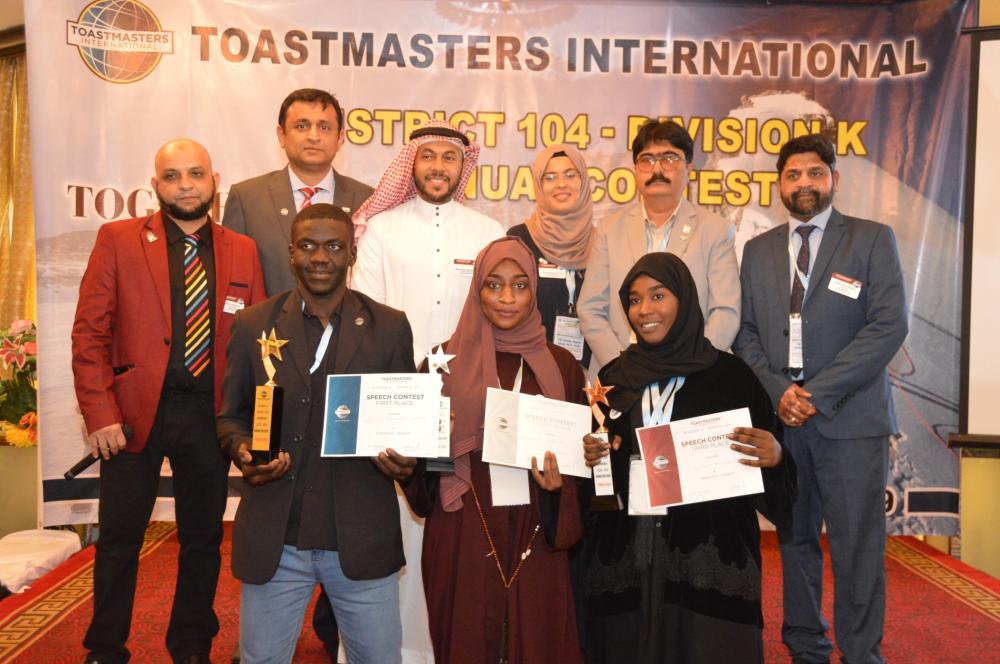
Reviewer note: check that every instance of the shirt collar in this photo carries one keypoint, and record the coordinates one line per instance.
(819, 221)
(334, 315)
(426, 209)
(670, 219)
(175, 234)
(326, 184)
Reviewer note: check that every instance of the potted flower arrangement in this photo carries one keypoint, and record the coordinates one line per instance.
(19, 385)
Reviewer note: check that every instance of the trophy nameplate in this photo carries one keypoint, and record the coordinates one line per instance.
(265, 443)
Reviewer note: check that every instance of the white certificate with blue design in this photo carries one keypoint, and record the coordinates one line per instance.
(367, 413)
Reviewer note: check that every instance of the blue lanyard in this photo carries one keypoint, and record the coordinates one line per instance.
(664, 408)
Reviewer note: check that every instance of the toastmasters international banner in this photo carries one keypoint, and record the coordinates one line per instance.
(112, 80)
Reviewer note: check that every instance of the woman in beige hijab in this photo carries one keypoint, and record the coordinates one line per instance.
(559, 234)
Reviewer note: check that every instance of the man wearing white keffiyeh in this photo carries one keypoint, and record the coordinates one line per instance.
(418, 241)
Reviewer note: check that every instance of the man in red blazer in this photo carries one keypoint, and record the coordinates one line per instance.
(156, 306)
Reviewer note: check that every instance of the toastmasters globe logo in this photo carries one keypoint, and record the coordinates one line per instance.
(121, 41)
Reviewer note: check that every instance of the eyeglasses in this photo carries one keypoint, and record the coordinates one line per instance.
(646, 162)
(568, 175)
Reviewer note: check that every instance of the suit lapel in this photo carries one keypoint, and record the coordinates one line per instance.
(154, 245)
(291, 326)
(782, 270)
(354, 323)
(635, 229)
(832, 235)
(687, 218)
(282, 199)
(343, 196)
(222, 250)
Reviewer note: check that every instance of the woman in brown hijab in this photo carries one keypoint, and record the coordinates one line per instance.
(559, 234)
(496, 578)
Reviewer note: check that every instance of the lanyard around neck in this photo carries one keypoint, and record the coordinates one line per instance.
(657, 407)
(516, 387)
(324, 341)
(571, 286)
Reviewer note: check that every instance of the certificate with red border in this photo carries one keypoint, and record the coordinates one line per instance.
(690, 461)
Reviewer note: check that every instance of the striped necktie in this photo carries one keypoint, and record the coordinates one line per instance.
(197, 328)
(307, 194)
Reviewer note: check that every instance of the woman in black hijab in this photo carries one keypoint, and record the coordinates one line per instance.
(684, 587)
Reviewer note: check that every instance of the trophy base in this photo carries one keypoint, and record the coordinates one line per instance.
(611, 503)
(441, 465)
(261, 457)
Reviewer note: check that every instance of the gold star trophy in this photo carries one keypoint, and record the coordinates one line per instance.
(597, 393)
(266, 439)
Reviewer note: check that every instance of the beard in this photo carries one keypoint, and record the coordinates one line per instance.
(325, 287)
(435, 198)
(180, 214)
(807, 206)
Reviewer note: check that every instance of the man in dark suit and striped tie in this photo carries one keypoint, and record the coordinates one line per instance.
(156, 306)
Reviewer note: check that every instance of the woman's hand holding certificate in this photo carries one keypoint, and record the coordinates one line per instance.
(693, 460)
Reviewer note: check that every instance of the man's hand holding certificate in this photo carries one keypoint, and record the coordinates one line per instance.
(369, 413)
(694, 460)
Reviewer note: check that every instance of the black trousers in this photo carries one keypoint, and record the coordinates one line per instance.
(184, 432)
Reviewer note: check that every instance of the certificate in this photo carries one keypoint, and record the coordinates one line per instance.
(520, 426)
(367, 413)
(690, 461)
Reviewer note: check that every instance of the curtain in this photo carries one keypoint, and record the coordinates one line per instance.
(17, 219)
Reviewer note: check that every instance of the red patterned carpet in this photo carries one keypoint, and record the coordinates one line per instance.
(939, 609)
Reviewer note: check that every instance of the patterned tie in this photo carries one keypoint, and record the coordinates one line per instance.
(798, 290)
(197, 337)
(308, 193)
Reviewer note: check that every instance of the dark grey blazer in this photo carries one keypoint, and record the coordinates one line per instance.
(263, 208)
(847, 343)
(372, 338)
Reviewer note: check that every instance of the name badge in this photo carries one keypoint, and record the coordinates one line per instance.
(462, 267)
(795, 341)
(568, 335)
(638, 491)
(232, 304)
(551, 271)
(845, 285)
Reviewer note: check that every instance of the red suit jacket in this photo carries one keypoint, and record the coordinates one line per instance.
(121, 333)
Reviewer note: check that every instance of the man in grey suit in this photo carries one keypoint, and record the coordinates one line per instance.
(305, 519)
(823, 314)
(661, 220)
(311, 132)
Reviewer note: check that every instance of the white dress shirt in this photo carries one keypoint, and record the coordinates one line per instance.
(657, 237)
(324, 195)
(418, 257)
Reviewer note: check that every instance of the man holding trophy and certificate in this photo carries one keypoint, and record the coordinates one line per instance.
(303, 518)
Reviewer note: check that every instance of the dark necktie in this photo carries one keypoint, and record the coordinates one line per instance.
(798, 289)
(308, 193)
(197, 331)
